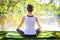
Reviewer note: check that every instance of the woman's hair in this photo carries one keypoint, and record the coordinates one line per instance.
(30, 8)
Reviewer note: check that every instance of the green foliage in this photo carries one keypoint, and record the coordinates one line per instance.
(16, 8)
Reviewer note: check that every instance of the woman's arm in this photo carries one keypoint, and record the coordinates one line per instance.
(22, 21)
(38, 22)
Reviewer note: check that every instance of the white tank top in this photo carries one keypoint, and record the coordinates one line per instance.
(30, 25)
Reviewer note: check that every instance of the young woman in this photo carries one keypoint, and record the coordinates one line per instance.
(29, 20)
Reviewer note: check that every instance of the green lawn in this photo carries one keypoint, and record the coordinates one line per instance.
(15, 35)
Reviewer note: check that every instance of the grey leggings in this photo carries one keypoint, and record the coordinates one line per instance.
(24, 35)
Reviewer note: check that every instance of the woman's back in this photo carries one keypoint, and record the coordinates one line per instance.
(30, 25)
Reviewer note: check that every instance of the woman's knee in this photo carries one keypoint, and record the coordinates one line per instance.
(38, 31)
(18, 29)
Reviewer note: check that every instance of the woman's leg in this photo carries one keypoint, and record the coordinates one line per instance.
(37, 31)
(20, 32)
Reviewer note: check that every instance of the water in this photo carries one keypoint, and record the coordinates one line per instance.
(0, 28)
(47, 23)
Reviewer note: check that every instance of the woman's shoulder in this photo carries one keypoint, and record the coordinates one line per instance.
(35, 16)
(23, 16)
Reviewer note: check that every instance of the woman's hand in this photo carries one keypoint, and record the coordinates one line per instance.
(39, 28)
(18, 27)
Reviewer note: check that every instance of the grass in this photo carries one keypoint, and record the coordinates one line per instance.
(15, 35)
